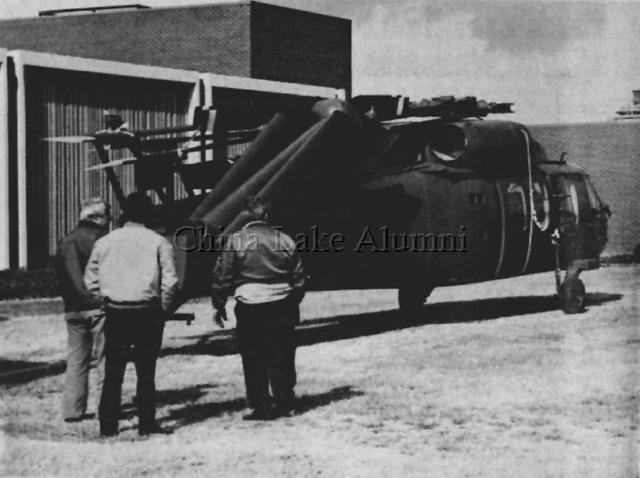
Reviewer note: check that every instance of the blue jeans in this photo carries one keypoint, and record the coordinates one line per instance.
(85, 345)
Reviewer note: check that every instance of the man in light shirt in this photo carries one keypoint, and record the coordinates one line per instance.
(260, 266)
(132, 271)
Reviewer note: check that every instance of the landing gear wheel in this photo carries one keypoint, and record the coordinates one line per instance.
(411, 297)
(572, 295)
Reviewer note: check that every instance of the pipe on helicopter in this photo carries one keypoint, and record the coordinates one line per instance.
(294, 174)
(279, 133)
(219, 216)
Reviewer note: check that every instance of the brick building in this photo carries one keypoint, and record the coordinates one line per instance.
(152, 66)
(247, 39)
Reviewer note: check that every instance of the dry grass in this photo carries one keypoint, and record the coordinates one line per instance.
(502, 384)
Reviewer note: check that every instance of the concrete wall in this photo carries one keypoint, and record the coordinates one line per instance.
(4, 163)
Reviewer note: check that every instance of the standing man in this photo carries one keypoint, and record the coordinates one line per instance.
(84, 318)
(260, 266)
(132, 270)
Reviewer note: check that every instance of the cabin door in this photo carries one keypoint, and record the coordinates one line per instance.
(515, 241)
(524, 233)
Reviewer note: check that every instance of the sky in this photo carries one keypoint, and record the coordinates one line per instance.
(557, 61)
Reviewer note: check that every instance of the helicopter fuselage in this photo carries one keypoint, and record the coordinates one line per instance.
(438, 224)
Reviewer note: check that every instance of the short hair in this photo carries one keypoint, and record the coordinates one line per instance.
(138, 207)
(258, 208)
(94, 208)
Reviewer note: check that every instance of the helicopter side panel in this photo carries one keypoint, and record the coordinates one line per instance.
(476, 208)
(425, 227)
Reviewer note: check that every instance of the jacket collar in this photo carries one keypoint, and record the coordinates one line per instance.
(89, 224)
(133, 224)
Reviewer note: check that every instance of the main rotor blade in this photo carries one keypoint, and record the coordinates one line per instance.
(70, 139)
(169, 154)
(177, 152)
(168, 130)
(115, 162)
(207, 146)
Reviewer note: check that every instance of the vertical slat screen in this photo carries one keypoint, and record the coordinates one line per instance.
(62, 103)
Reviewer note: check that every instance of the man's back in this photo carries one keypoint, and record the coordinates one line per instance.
(260, 263)
(262, 269)
(133, 266)
(133, 271)
(263, 253)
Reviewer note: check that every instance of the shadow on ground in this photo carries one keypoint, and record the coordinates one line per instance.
(171, 397)
(341, 327)
(197, 412)
(184, 410)
(14, 372)
(309, 332)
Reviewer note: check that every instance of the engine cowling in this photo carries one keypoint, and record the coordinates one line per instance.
(493, 147)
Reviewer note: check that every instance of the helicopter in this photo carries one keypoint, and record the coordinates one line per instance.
(378, 192)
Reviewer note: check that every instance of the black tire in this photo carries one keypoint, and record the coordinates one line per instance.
(573, 296)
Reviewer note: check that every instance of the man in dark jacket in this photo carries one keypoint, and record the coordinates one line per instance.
(262, 269)
(83, 314)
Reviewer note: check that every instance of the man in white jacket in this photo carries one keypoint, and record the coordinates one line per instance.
(132, 270)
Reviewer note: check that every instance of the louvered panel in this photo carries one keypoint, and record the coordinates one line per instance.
(63, 103)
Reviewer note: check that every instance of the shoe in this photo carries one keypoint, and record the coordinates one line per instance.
(153, 429)
(85, 416)
(259, 415)
(108, 433)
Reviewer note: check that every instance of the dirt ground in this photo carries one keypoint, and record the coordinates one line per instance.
(492, 380)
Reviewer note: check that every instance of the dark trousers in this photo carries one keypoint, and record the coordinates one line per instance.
(85, 345)
(125, 328)
(265, 335)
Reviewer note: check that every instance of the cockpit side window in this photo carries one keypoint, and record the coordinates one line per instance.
(594, 200)
(572, 201)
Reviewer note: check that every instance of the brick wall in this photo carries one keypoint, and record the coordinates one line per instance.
(247, 39)
(610, 153)
(300, 47)
(196, 38)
